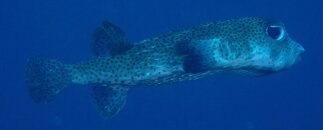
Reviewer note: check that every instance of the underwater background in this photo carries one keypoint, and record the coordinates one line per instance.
(62, 29)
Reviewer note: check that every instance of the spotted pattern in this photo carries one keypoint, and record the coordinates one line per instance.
(241, 46)
(234, 43)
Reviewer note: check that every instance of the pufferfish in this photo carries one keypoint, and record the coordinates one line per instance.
(246, 46)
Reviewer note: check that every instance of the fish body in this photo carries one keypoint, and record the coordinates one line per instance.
(248, 46)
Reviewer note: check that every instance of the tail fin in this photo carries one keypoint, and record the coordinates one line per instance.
(45, 78)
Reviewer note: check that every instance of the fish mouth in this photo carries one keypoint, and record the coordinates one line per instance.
(301, 51)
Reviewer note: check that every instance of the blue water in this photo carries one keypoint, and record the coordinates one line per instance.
(290, 100)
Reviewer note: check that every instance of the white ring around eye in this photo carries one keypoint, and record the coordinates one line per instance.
(282, 32)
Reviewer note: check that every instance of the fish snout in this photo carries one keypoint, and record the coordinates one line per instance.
(301, 50)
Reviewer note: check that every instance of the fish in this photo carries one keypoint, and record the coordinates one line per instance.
(245, 46)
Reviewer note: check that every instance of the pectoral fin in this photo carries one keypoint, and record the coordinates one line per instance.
(109, 100)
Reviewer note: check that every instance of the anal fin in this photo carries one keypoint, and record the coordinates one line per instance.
(109, 100)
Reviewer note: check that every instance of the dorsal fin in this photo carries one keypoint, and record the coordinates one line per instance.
(109, 40)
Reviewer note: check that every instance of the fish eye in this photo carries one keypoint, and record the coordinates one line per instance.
(276, 32)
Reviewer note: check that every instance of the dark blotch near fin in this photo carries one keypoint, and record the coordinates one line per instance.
(109, 100)
(193, 61)
(109, 39)
(193, 64)
(183, 48)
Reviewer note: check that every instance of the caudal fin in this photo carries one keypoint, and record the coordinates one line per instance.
(45, 78)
